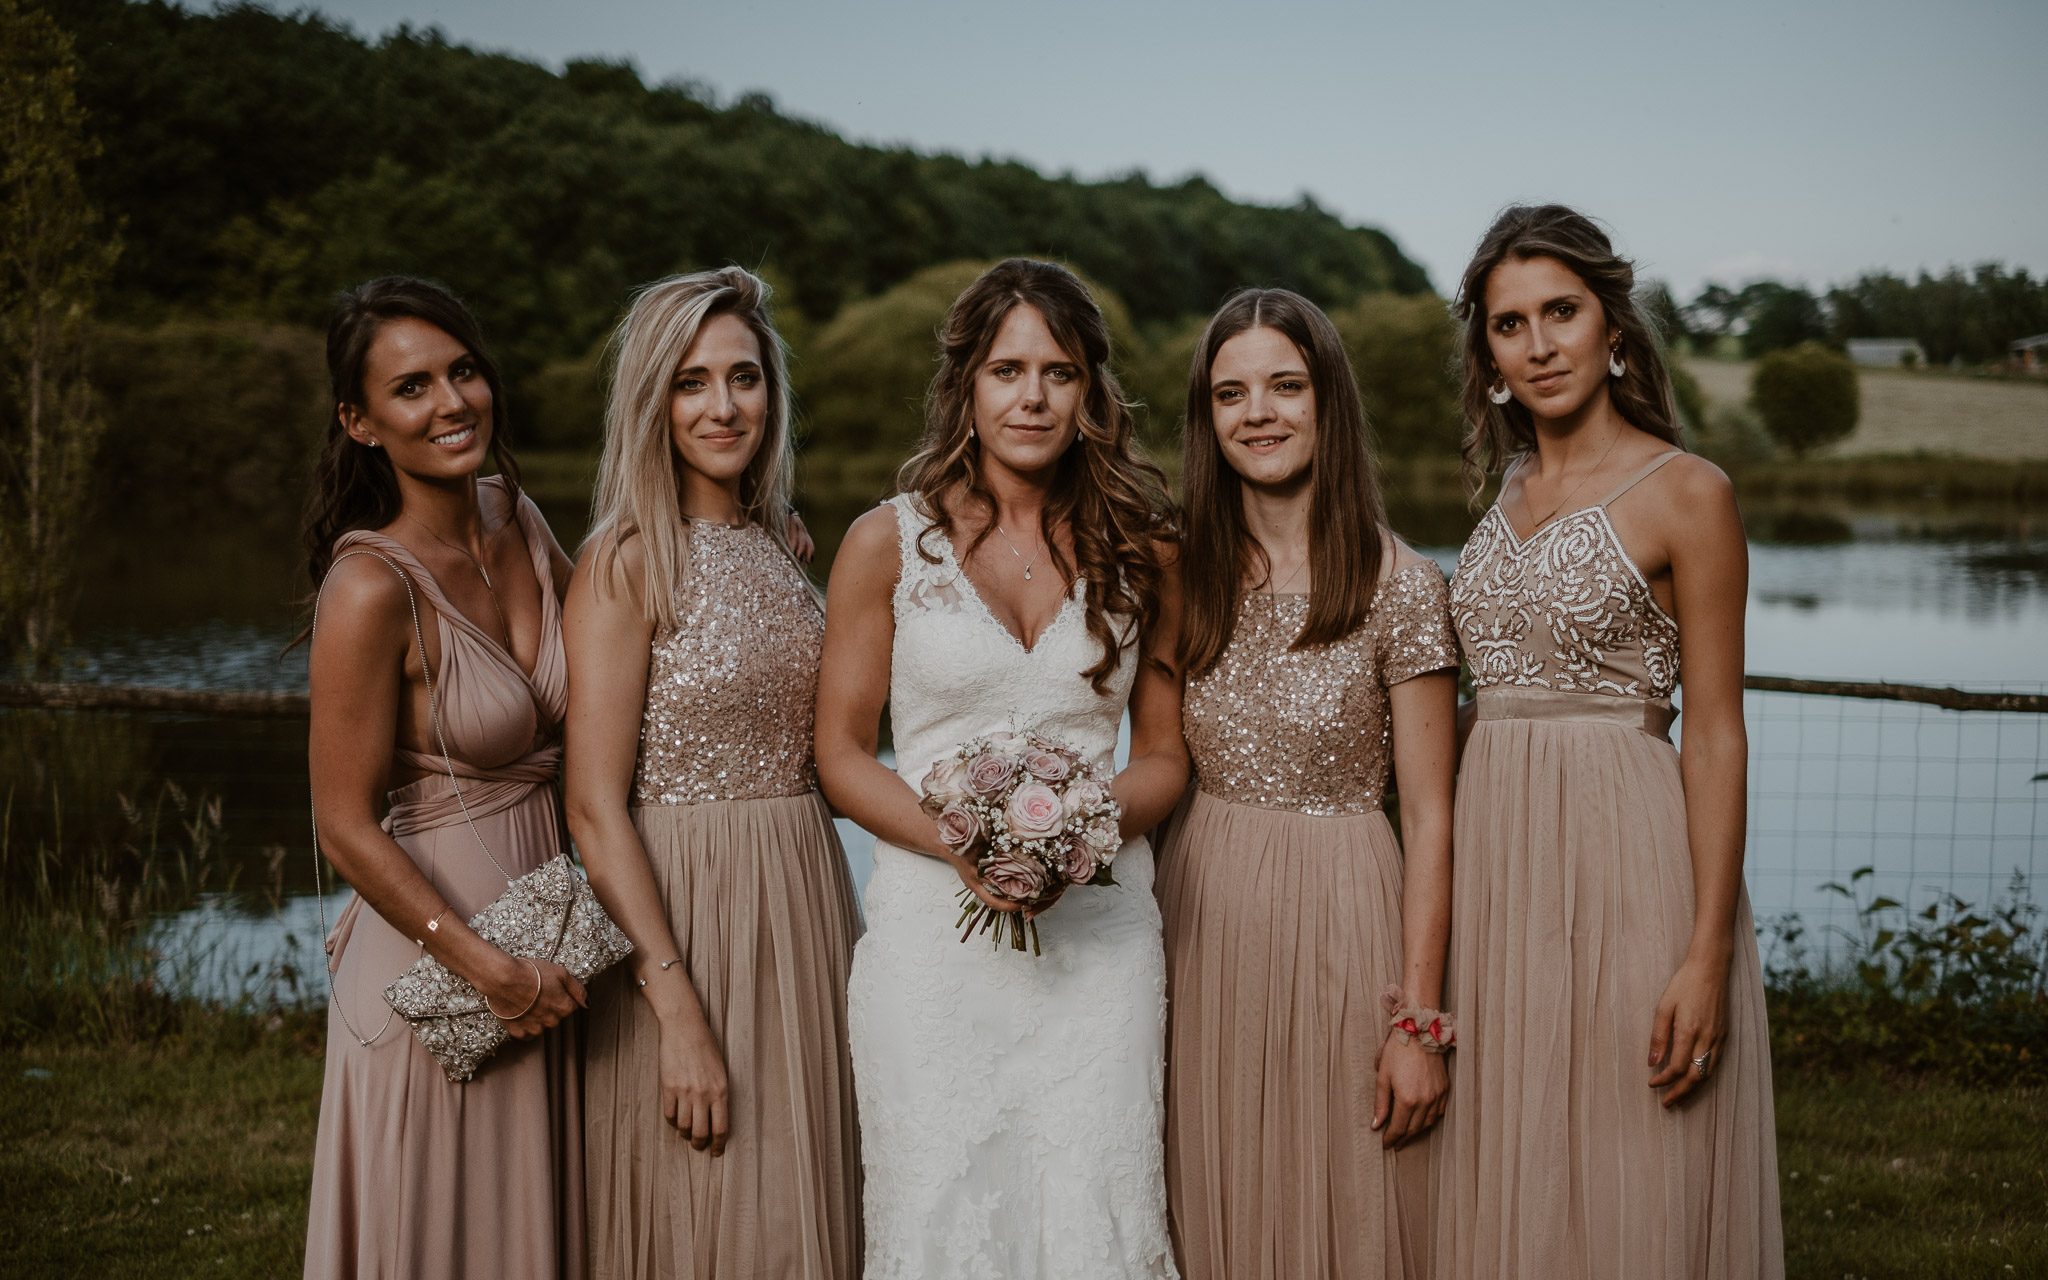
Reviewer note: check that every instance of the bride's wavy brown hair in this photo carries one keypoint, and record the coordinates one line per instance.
(1641, 395)
(1112, 499)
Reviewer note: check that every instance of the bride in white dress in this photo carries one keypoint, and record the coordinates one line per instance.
(1011, 1111)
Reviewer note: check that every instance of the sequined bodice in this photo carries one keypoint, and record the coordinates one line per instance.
(731, 690)
(1566, 610)
(1310, 730)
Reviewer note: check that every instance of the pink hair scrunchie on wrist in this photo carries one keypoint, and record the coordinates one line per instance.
(1413, 1024)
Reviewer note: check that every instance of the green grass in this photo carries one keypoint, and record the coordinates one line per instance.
(157, 1162)
(194, 1161)
(1927, 1181)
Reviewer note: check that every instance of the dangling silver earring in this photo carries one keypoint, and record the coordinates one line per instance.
(1499, 392)
(1615, 367)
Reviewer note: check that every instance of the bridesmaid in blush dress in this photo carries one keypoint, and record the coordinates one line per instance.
(1320, 654)
(1613, 1112)
(427, 572)
(721, 1139)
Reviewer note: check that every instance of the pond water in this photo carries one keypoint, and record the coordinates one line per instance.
(1935, 801)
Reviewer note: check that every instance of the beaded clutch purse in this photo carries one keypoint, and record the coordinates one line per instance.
(549, 913)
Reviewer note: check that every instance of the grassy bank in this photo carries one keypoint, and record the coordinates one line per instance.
(195, 1161)
(157, 1162)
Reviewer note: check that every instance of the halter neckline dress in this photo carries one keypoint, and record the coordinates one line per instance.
(1572, 907)
(412, 1175)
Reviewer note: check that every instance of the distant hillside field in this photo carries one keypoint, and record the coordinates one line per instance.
(1906, 412)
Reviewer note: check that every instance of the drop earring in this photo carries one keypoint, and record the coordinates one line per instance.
(1615, 368)
(1499, 393)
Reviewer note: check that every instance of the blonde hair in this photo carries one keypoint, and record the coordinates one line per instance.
(638, 494)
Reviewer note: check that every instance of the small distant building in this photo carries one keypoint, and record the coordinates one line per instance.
(1888, 352)
(2030, 353)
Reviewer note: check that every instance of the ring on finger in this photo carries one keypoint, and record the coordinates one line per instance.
(1702, 1064)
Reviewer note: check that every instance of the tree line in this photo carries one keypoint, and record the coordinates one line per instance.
(1967, 317)
(261, 160)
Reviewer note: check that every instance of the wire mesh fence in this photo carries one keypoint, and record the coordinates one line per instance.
(1934, 800)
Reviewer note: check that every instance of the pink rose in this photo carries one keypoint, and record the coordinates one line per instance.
(1034, 812)
(958, 826)
(990, 772)
(1079, 865)
(1014, 876)
(1084, 794)
(1048, 765)
(946, 783)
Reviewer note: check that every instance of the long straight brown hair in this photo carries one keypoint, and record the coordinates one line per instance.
(1346, 513)
(1113, 501)
(1496, 433)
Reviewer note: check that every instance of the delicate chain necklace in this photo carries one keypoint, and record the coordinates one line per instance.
(1020, 555)
(1280, 588)
(482, 572)
(1575, 488)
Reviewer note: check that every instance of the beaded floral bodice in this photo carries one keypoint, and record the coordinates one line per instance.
(1566, 610)
(732, 688)
(1310, 730)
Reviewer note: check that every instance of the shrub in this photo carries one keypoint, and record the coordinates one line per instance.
(1404, 350)
(1806, 395)
(206, 415)
(1953, 991)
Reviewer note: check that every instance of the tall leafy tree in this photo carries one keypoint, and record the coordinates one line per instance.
(54, 252)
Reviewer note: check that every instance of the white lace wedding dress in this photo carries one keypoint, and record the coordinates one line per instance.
(1011, 1109)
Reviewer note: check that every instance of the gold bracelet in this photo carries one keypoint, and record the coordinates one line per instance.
(529, 1004)
(433, 926)
(664, 966)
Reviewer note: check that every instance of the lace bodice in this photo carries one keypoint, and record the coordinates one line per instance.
(1566, 611)
(1310, 730)
(959, 672)
(732, 688)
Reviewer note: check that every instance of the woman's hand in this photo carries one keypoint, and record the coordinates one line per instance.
(511, 987)
(694, 1090)
(801, 544)
(1691, 1021)
(1410, 1093)
(963, 866)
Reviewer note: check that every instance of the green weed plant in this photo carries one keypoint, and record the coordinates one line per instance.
(1953, 991)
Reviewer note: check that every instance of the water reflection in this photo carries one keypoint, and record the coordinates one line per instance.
(1918, 595)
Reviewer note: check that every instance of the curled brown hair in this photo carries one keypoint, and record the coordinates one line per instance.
(354, 486)
(1642, 396)
(1346, 513)
(1112, 500)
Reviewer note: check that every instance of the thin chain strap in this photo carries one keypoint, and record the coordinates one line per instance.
(434, 711)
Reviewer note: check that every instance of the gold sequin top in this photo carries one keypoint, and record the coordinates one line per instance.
(731, 691)
(1310, 730)
(1564, 610)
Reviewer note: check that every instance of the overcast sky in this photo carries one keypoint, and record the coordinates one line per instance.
(1718, 141)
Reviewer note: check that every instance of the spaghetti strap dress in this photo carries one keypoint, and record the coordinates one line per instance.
(761, 903)
(413, 1175)
(1572, 907)
(1280, 884)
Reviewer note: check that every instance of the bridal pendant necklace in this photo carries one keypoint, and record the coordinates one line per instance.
(481, 572)
(1575, 488)
(1020, 555)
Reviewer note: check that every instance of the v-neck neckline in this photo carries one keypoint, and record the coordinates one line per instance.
(973, 591)
(465, 623)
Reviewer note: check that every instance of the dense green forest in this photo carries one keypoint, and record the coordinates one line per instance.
(258, 161)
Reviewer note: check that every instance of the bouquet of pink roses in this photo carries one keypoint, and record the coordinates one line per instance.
(1034, 817)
